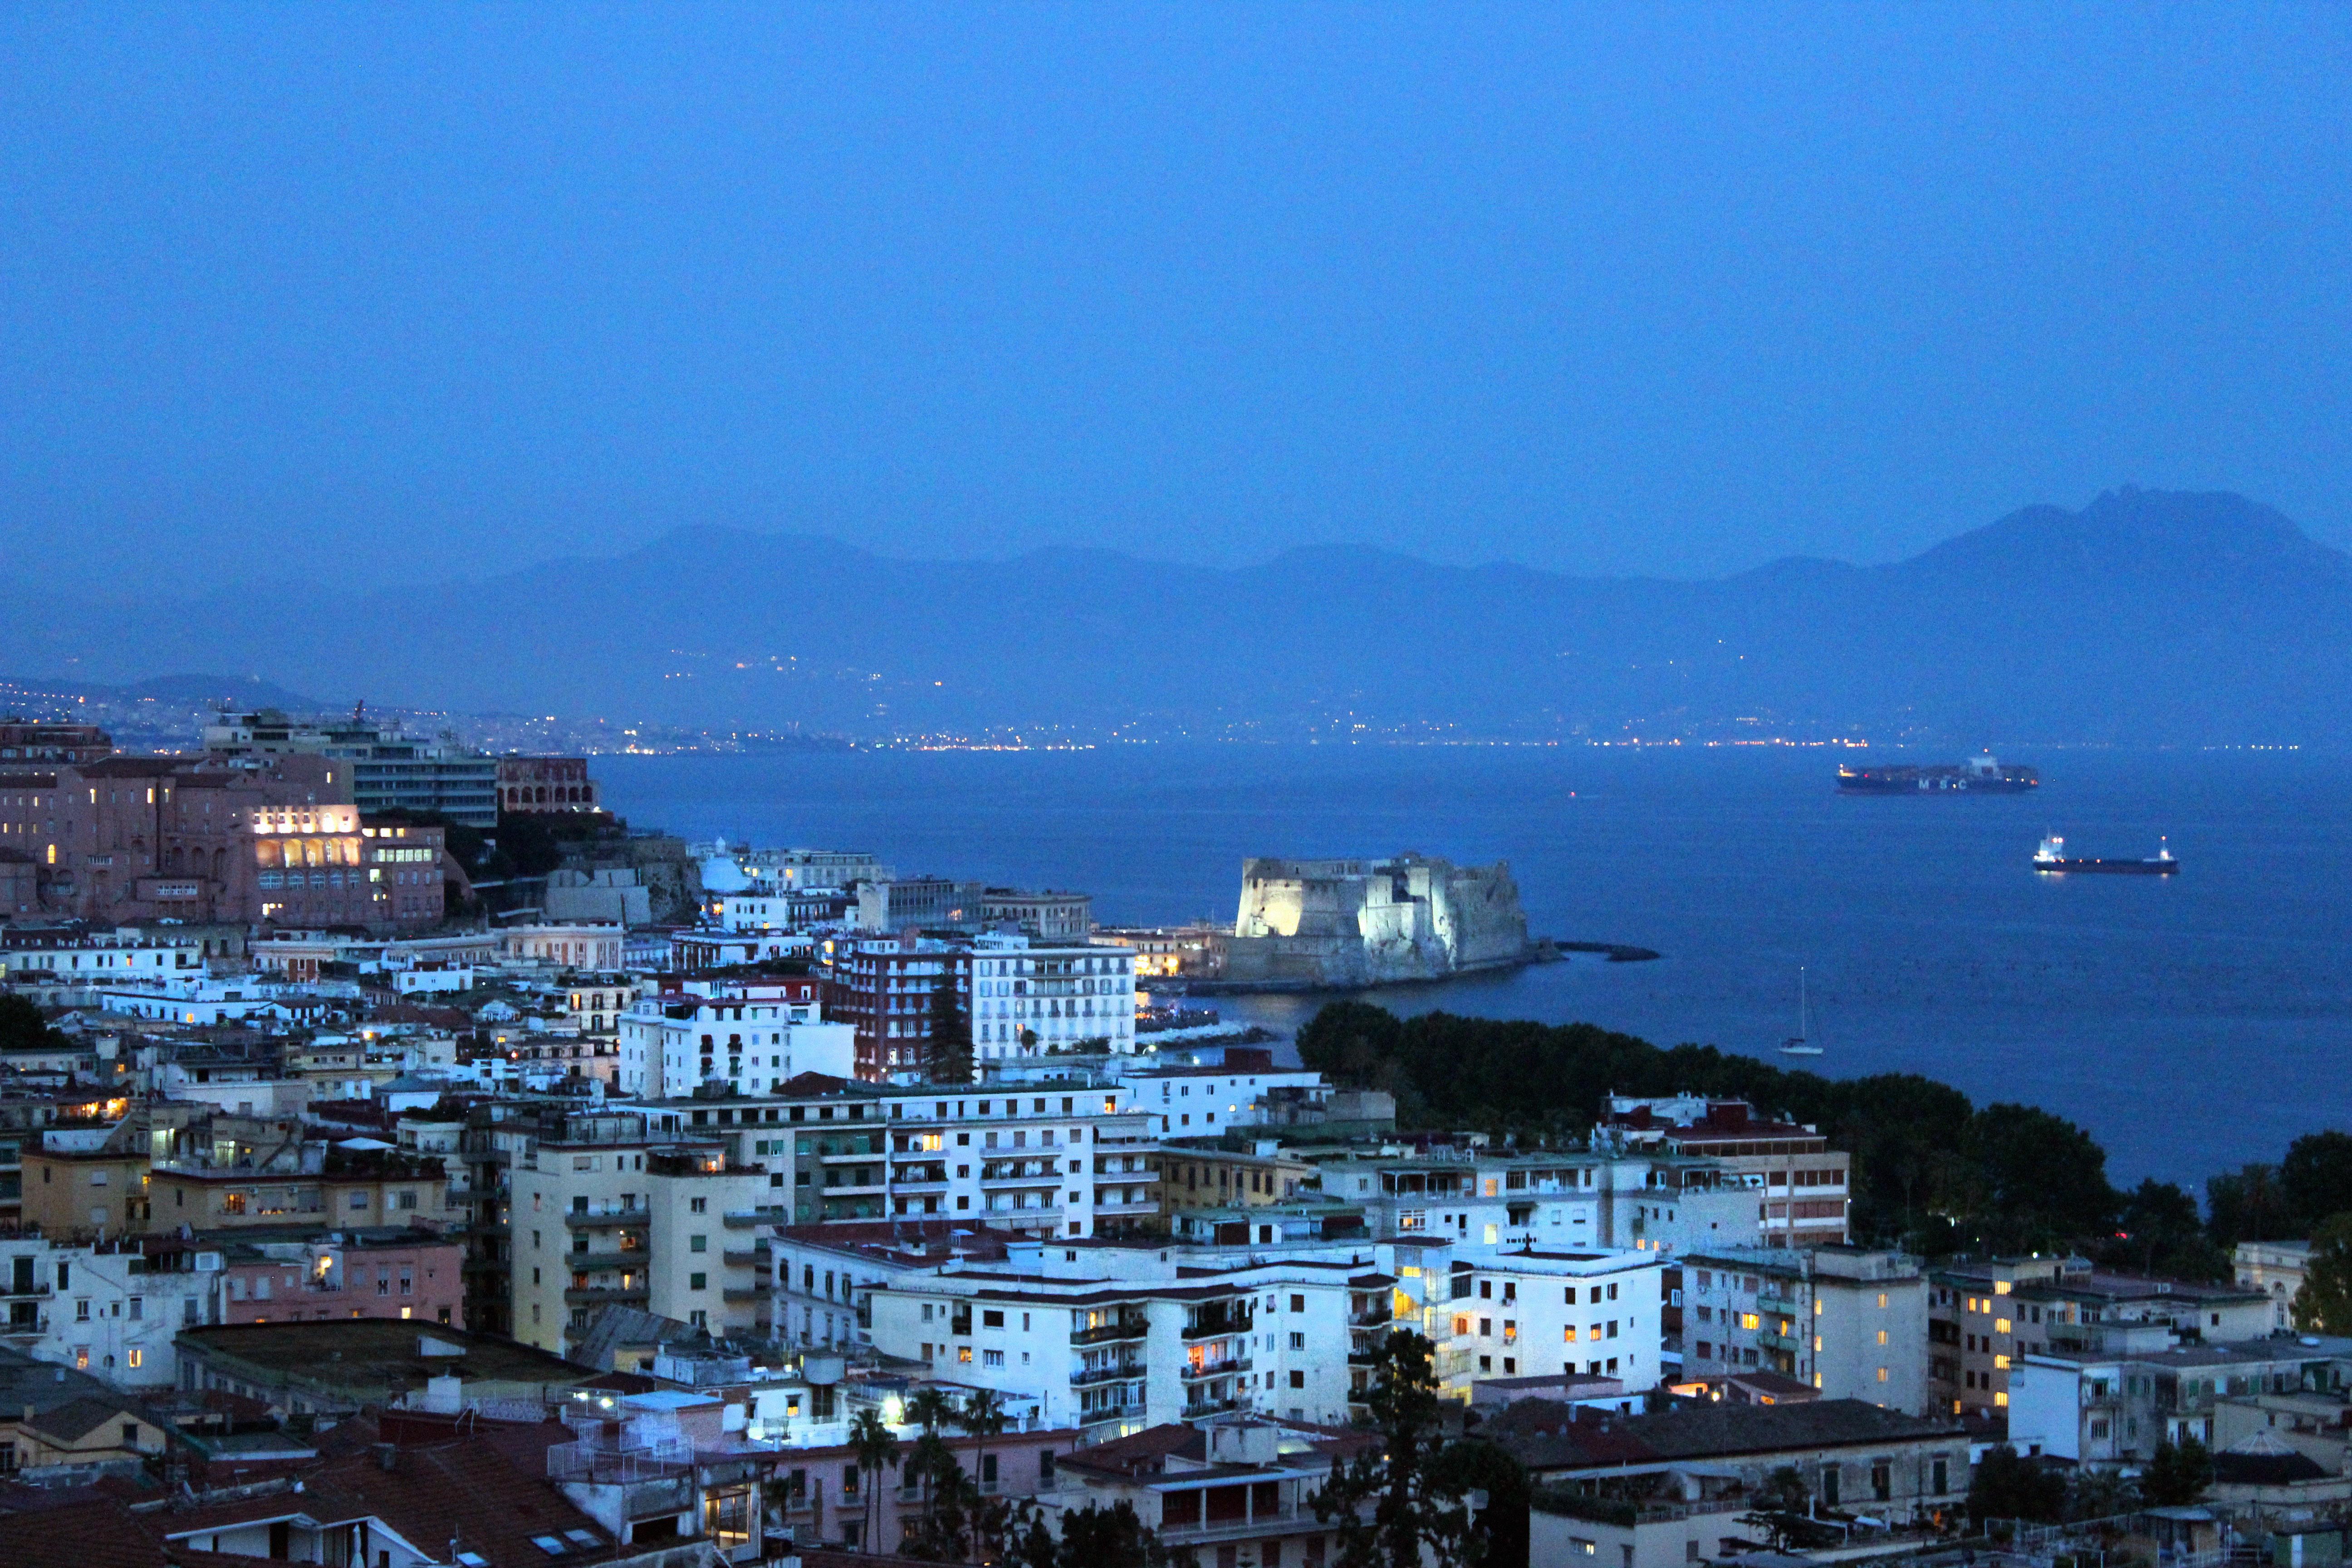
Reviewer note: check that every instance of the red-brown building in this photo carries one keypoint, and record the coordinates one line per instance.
(277, 841)
(379, 1273)
(545, 784)
(23, 742)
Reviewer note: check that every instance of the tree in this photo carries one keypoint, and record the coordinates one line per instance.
(2323, 1305)
(2095, 1492)
(984, 1416)
(951, 1043)
(22, 1027)
(2044, 1179)
(2008, 1487)
(1092, 1537)
(1418, 1497)
(2246, 1205)
(944, 1533)
(2177, 1477)
(877, 1449)
(2315, 1179)
(2161, 1232)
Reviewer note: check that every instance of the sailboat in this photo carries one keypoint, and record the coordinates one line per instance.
(1797, 1044)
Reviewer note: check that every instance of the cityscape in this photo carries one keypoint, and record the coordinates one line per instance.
(1139, 785)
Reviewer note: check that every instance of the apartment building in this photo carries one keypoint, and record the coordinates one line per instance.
(1210, 1100)
(1049, 916)
(887, 990)
(413, 1275)
(1239, 1487)
(1983, 1317)
(1206, 1176)
(1848, 1323)
(1115, 1337)
(607, 1214)
(389, 771)
(1803, 1183)
(1574, 1201)
(1030, 996)
(111, 1308)
(744, 1037)
(2115, 1406)
(1521, 1314)
(52, 971)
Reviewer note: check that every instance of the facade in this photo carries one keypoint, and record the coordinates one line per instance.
(1570, 1201)
(918, 903)
(1030, 996)
(1805, 1183)
(1848, 1323)
(606, 1216)
(34, 741)
(749, 1035)
(407, 1275)
(280, 841)
(2114, 1408)
(387, 770)
(1519, 1314)
(109, 1308)
(2276, 1269)
(1049, 916)
(534, 785)
(1983, 1317)
(1236, 1489)
(1209, 1177)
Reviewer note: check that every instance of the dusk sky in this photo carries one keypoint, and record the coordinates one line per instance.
(427, 291)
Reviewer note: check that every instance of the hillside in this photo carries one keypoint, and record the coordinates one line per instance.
(2192, 618)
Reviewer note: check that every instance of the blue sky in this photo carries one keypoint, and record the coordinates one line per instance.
(422, 292)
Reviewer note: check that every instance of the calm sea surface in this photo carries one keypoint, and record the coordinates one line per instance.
(2192, 1023)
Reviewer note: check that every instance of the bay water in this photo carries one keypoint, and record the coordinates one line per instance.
(2191, 1023)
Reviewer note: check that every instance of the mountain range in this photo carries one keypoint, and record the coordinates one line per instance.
(2146, 617)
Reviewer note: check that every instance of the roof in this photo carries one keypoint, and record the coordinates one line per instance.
(89, 1532)
(1546, 1435)
(78, 1418)
(371, 1360)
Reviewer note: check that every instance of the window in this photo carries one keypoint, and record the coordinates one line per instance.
(697, 1281)
(698, 1244)
(698, 1206)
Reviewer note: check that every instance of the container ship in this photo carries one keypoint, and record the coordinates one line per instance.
(1985, 774)
(2052, 858)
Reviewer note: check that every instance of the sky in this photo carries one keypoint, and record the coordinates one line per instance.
(395, 292)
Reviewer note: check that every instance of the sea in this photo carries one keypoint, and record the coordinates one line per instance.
(2191, 1023)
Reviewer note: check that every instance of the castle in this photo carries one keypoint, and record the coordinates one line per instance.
(1363, 922)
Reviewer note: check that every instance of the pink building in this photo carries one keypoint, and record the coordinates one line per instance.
(382, 1273)
(545, 784)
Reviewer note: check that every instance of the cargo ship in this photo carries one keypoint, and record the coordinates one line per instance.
(2052, 858)
(1982, 774)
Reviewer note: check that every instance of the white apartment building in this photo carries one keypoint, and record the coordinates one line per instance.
(1850, 1321)
(2276, 1269)
(1058, 1159)
(638, 1221)
(1573, 1201)
(1524, 1313)
(750, 1038)
(65, 974)
(1030, 994)
(1114, 1339)
(112, 1310)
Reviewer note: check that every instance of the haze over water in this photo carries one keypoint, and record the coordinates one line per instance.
(2191, 1023)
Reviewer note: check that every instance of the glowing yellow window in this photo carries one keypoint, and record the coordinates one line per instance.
(2000, 1287)
(1882, 1299)
(2000, 1325)
(1881, 1374)
(1882, 1336)
(1749, 1320)
(2001, 1363)
(1816, 1344)
(2001, 1400)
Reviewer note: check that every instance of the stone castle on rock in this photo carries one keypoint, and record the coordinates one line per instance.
(1362, 923)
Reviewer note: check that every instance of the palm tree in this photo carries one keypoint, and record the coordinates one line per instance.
(984, 1416)
(930, 1409)
(877, 1449)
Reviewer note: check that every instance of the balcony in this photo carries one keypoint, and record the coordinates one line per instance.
(754, 1257)
(1371, 1317)
(1210, 1326)
(24, 1292)
(1194, 1409)
(1110, 1332)
(608, 1219)
(1038, 1179)
(1778, 1340)
(25, 1327)
(1216, 1369)
(1234, 1529)
(633, 1258)
(598, 1295)
(742, 1293)
(1121, 1371)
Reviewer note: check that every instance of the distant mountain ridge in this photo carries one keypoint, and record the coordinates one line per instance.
(2146, 617)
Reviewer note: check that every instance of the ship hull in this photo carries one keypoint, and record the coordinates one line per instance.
(2109, 867)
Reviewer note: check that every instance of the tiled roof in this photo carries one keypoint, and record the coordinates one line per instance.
(1546, 1435)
